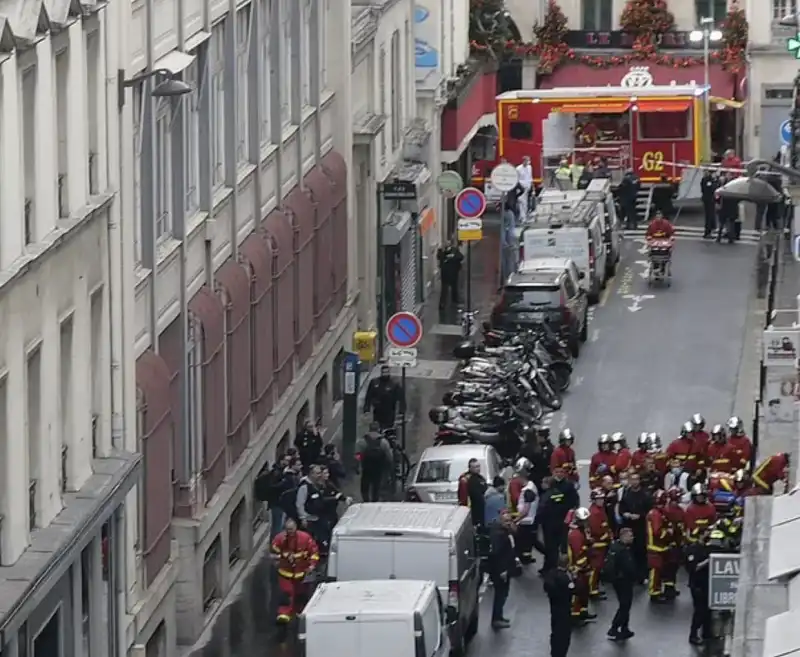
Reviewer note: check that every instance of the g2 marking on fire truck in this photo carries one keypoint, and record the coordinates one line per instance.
(653, 161)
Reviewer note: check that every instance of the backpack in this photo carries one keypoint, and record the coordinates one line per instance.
(609, 571)
(373, 454)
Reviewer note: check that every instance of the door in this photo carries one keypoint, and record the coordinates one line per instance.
(408, 271)
(469, 574)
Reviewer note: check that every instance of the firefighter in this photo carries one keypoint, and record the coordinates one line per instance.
(471, 491)
(525, 517)
(697, 567)
(641, 452)
(770, 471)
(658, 543)
(682, 448)
(611, 491)
(296, 555)
(578, 555)
(522, 469)
(623, 454)
(700, 513)
(603, 461)
(660, 457)
(564, 456)
(740, 447)
(672, 558)
(718, 453)
(600, 538)
(700, 439)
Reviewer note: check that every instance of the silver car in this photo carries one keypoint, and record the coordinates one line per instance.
(435, 477)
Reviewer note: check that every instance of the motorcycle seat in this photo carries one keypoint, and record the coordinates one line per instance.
(483, 436)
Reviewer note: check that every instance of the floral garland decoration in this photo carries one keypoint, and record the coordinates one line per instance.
(734, 39)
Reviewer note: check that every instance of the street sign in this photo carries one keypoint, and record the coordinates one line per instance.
(402, 356)
(505, 177)
(793, 45)
(796, 247)
(470, 230)
(786, 132)
(449, 183)
(723, 581)
(404, 330)
(470, 203)
(399, 190)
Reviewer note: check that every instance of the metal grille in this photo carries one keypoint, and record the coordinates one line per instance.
(408, 271)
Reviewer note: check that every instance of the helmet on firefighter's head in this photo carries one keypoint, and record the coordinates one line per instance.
(619, 440)
(735, 426)
(643, 442)
(741, 477)
(717, 536)
(655, 442)
(604, 442)
(686, 430)
(581, 514)
(659, 498)
(674, 494)
(597, 495)
(566, 437)
(522, 466)
(698, 490)
(698, 422)
(718, 434)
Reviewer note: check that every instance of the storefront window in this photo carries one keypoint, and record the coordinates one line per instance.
(664, 125)
(592, 129)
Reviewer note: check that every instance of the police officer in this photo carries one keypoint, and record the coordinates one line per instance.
(559, 499)
(559, 587)
(708, 185)
(697, 554)
(450, 261)
(383, 398)
(628, 192)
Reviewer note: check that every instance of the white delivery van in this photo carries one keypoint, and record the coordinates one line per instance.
(394, 540)
(390, 618)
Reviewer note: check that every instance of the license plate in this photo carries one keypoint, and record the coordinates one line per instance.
(446, 497)
(531, 317)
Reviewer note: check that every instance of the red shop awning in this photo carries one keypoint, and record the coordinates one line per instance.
(664, 106)
(582, 75)
(595, 108)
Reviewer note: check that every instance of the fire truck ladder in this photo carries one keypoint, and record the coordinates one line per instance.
(644, 202)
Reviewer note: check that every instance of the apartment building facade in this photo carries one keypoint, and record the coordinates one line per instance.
(67, 444)
(245, 278)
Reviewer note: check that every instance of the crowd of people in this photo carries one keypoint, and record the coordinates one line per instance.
(651, 511)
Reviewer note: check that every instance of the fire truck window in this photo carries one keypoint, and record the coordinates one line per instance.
(520, 130)
(664, 125)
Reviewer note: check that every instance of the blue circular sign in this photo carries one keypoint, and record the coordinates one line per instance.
(404, 330)
(470, 203)
(786, 132)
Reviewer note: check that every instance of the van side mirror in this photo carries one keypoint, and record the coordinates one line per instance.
(581, 275)
(450, 615)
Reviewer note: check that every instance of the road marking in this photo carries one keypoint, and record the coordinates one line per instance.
(607, 292)
(577, 381)
(637, 299)
(562, 422)
(595, 335)
(626, 282)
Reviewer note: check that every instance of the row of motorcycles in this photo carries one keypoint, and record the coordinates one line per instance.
(508, 381)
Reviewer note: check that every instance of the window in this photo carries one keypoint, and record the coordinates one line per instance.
(266, 71)
(305, 52)
(194, 347)
(597, 15)
(287, 50)
(321, 401)
(62, 130)
(782, 8)
(382, 99)
(66, 398)
(217, 68)
(33, 430)
(235, 527)
(162, 171)
(29, 153)
(243, 25)
(397, 96)
(520, 130)
(527, 298)
(97, 382)
(716, 9)
(211, 576)
(337, 394)
(191, 138)
(664, 125)
(300, 419)
(779, 94)
(93, 56)
(323, 43)
(137, 107)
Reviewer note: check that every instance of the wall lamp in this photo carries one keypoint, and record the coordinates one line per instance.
(169, 87)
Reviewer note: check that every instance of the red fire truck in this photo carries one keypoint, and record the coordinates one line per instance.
(651, 130)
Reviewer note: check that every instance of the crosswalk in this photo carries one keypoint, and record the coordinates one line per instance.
(695, 233)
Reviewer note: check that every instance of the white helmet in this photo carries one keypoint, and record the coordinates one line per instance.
(523, 465)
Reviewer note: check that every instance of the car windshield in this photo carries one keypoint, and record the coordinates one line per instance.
(526, 298)
(441, 471)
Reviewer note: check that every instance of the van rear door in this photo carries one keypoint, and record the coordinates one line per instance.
(359, 558)
(357, 636)
(570, 242)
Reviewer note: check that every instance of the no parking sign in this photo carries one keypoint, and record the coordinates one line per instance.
(786, 132)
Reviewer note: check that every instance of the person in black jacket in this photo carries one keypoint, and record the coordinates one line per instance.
(628, 192)
(538, 449)
(663, 192)
(332, 461)
(559, 588)
(622, 573)
(450, 261)
(559, 499)
(697, 555)
(309, 445)
(502, 563)
(708, 185)
(634, 504)
(384, 398)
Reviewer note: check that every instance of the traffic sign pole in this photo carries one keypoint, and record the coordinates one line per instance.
(403, 330)
(470, 204)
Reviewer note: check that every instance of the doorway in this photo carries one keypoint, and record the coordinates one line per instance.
(48, 642)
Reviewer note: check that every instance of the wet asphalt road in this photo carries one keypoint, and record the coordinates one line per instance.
(644, 369)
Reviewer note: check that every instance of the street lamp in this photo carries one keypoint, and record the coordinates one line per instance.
(754, 189)
(169, 87)
(707, 35)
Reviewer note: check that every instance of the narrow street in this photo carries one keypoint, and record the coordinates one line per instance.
(654, 357)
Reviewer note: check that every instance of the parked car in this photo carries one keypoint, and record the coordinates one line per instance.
(435, 477)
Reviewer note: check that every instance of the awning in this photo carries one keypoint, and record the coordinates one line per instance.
(596, 108)
(664, 106)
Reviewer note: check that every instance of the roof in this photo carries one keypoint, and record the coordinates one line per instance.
(454, 451)
(543, 264)
(370, 597)
(593, 92)
(428, 519)
(541, 278)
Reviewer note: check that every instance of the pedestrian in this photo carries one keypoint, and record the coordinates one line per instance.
(600, 537)
(269, 486)
(628, 192)
(502, 563)
(287, 497)
(697, 555)
(525, 509)
(472, 490)
(309, 444)
(659, 542)
(587, 175)
(560, 499)
(578, 541)
(333, 461)
(450, 261)
(620, 570)
(662, 197)
(611, 502)
(708, 186)
(559, 587)
(296, 555)
(509, 243)
(494, 501)
(634, 505)
(525, 175)
(373, 454)
(384, 398)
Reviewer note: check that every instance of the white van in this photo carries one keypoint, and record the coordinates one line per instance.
(394, 540)
(390, 618)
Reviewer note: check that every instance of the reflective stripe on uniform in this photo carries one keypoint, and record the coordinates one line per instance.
(290, 575)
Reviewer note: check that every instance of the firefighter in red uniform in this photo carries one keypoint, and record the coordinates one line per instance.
(642, 451)
(603, 461)
(658, 544)
(600, 538)
(700, 439)
(578, 555)
(296, 555)
(770, 471)
(700, 514)
(660, 457)
(620, 443)
(682, 448)
(672, 559)
(564, 456)
(739, 445)
(718, 452)
(522, 470)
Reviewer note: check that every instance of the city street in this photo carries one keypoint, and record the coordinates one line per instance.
(654, 357)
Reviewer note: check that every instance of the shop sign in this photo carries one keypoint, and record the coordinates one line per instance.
(607, 40)
(399, 190)
(637, 77)
(780, 347)
(781, 396)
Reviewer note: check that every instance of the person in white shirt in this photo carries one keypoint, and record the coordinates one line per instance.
(677, 477)
(525, 174)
